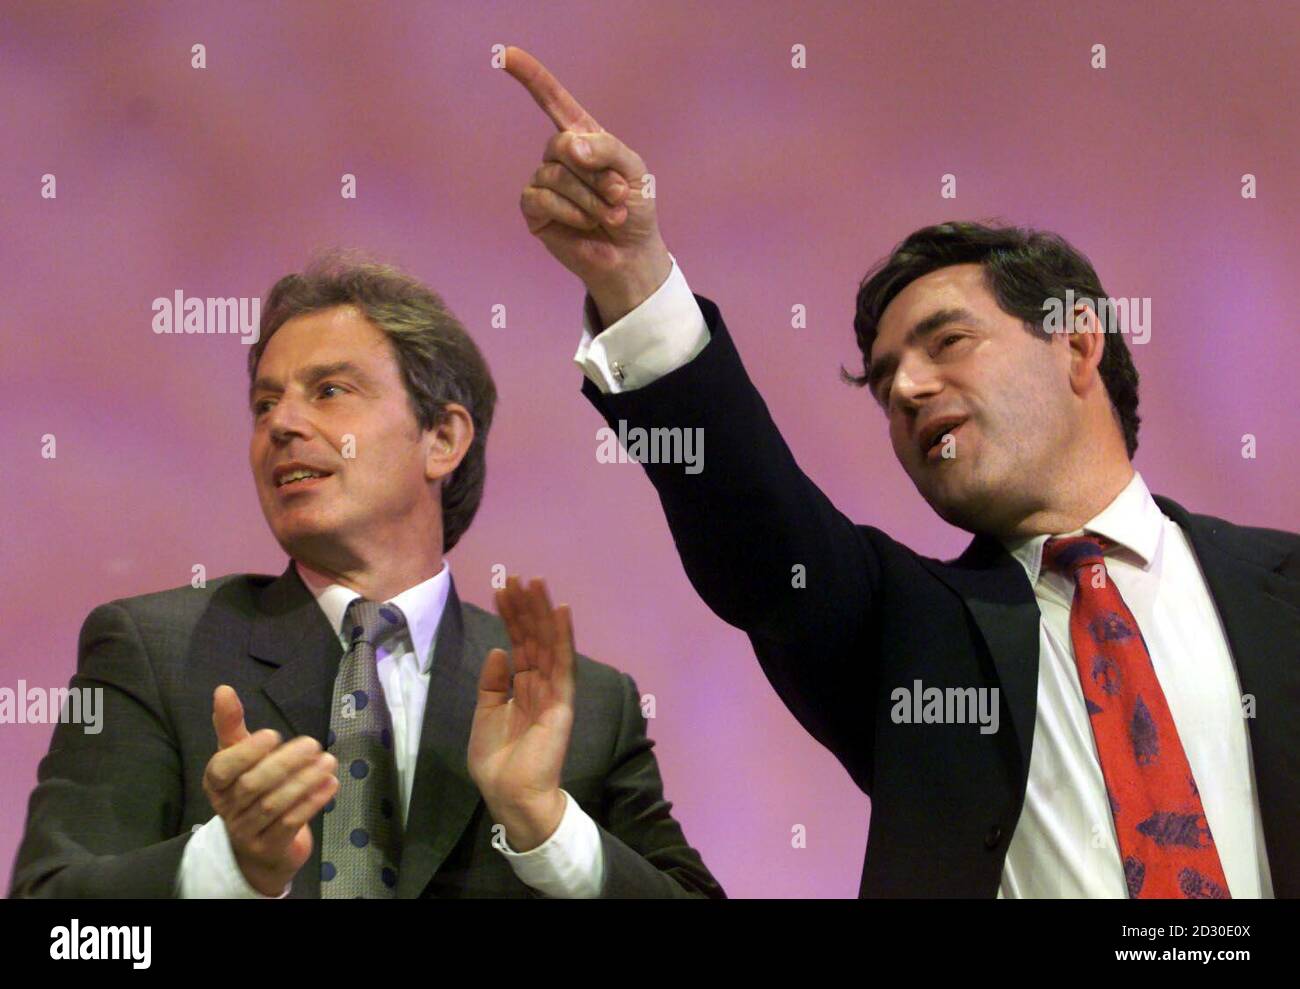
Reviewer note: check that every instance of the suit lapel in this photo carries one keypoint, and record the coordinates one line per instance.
(999, 597)
(1261, 619)
(291, 632)
(443, 797)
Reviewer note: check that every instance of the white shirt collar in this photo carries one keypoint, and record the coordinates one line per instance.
(1133, 520)
(422, 605)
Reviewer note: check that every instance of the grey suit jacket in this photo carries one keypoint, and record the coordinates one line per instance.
(111, 812)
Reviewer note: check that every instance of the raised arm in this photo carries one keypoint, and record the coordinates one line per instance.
(762, 545)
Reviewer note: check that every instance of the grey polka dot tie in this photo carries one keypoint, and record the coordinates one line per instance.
(362, 833)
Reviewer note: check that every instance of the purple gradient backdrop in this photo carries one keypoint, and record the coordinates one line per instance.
(775, 186)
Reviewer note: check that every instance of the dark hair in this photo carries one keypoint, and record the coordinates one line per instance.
(438, 360)
(1022, 268)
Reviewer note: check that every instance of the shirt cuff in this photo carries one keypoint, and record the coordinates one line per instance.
(569, 864)
(660, 335)
(209, 870)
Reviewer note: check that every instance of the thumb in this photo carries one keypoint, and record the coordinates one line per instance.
(228, 717)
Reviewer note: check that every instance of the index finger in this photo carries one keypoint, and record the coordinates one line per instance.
(508, 608)
(565, 112)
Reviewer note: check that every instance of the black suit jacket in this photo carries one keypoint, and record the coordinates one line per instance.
(875, 616)
(112, 812)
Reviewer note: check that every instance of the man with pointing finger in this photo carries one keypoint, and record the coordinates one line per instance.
(351, 728)
(1141, 659)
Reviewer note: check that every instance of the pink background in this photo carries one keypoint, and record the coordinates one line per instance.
(776, 186)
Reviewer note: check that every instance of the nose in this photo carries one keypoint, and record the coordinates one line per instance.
(914, 382)
(285, 421)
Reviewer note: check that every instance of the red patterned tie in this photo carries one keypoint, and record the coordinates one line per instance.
(1164, 837)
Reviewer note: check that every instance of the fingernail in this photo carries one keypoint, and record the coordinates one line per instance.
(581, 148)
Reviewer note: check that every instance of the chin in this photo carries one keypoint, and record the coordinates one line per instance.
(944, 507)
(955, 504)
(301, 535)
(961, 516)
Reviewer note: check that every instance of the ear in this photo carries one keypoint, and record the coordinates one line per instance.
(447, 442)
(1086, 342)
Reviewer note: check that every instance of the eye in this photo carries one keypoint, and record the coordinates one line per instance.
(259, 407)
(948, 339)
(328, 384)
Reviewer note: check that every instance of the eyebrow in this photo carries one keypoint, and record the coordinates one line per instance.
(932, 324)
(311, 375)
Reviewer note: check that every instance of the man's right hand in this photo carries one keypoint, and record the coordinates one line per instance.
(595, 212)
(266, 793)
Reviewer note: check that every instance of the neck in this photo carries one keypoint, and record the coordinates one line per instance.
(1080, 498)
(378, 583)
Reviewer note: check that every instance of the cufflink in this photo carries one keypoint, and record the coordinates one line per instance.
(617, 370)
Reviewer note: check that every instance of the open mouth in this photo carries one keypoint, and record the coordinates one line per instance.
(933, 442)
(299, 479)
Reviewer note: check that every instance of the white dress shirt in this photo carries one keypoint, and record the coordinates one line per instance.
(1064, 844)
(570, 863)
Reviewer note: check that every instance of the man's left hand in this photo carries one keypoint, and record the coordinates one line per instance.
(522, 726)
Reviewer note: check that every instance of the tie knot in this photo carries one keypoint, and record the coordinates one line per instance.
(371, 621)
(1069, 554)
